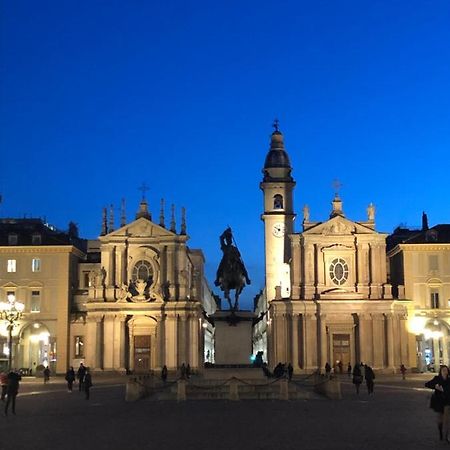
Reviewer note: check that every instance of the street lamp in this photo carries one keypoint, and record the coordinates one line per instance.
(11, 311)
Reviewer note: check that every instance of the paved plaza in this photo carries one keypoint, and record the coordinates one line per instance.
(396, 417)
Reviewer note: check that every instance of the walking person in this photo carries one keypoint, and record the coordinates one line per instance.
(81, 372)
(290, 371)
(46, 375)
(357, 377)
(403, 371)
(188, 371)
(70, 378)
(87, 383)
(349, 370)
(328, 370)
(12, 390)
(164, 373)
(369, 376)
(440, 400)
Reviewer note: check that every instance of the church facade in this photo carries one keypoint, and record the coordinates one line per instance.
(327, 296)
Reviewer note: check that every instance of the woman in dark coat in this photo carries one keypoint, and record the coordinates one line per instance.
(440, 400)
(357, 377)
(70, 378)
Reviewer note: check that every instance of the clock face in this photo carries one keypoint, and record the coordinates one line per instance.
(279, 229)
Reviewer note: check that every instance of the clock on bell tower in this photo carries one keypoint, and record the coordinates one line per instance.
(278, 215)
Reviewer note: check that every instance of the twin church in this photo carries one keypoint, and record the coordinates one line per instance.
(137, 299)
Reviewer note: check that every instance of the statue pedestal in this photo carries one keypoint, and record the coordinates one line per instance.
(233, 337)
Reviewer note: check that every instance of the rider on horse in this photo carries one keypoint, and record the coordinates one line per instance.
(231, 261)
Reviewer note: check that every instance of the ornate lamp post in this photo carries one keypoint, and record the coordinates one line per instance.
(11, 311)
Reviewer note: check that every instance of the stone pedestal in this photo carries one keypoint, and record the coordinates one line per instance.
(233, 337)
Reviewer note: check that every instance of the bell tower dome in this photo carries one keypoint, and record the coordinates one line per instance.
(278, 215)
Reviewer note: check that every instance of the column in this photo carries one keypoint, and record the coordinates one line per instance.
(111, 269)
(403, 339)
(99, 343)
(320, 267)
(91, 339)
(390, 340)
(194, 332)
(311, 344)
(109, 344)
(323, 342)
(183, 341)
(123, 265)
(363, 268)
(362, 331)
(294, 354)
(309, 271)
(378, 341)
(296, 265)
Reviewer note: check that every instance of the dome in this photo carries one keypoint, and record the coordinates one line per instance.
(277, 156)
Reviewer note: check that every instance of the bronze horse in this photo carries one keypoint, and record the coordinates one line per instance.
(231, 273)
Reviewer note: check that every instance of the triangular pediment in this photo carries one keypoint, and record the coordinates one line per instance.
(141, 227)
(339, 225)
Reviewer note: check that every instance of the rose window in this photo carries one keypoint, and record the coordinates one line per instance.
(338, 271)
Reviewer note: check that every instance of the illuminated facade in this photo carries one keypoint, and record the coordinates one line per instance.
(327, 295)
(420, 267)
(132, 300)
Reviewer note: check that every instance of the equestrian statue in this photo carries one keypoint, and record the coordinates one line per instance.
(231, 273)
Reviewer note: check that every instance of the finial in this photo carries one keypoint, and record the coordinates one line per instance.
(172, 219)
(276, 125)
(123, 214)
(424, 221)
(306, 213)
(337, 186)
(104, 223)
(183, 220)
(111, 218)
(371, 212)
(161, 214)
(143, 188)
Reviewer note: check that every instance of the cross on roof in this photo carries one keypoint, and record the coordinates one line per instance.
(143, 188)
(276, 124)
(337, 186)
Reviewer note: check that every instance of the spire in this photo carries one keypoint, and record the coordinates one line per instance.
(161, 214)
(172, 219)
(183, 221)
(123, 214)
(104, 223)
(424, 221)
(111, 218)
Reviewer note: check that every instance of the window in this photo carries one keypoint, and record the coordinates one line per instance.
(143, 271)
(87, 282)
(338, 271)
(8, 293)
(434, 297)
(36, 265)
(36, 239)
(11, 267)
(79, 347)
(278, 201)
(35, 302)
(12, 239)
(433, 262)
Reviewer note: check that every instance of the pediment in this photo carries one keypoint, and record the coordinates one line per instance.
(141, 227)
(339, 226)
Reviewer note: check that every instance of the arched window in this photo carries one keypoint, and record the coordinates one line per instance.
(143, 271)
(338, 271)
(278, 202)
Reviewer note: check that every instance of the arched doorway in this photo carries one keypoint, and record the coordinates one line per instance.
(433, 345)
(37, 347)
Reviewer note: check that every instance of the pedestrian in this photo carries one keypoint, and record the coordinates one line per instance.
(11, 391)
(164, 373)
(349, 370)
(440, 400)
(328, 370)
(403, 371)
(81, 372)
(290, 371)
(340, 367)
(4, 384)
(46, 375)
(70, 378)
(188, 371)
(183, 371)
(369, 375)
(87, 383)
(357, 377)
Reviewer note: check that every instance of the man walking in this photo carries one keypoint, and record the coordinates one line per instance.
(11, 391)
(81, 372)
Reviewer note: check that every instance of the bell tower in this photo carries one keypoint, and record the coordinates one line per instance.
(278, 216)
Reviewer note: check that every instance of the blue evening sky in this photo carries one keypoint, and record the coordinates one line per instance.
(99, 96)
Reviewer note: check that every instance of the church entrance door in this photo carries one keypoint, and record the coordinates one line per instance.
(341, 349)
(142, 353)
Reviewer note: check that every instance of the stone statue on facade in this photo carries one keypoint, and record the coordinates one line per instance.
(371, 212)
(231, 273)
(306, 213)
